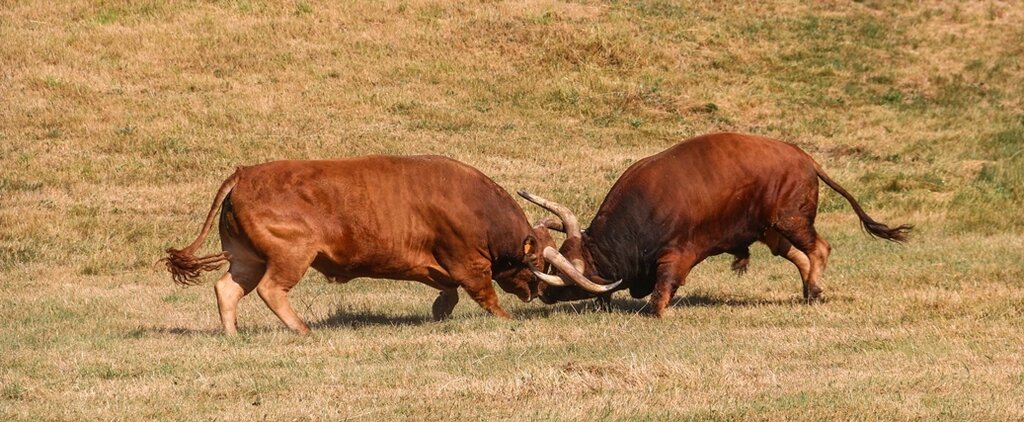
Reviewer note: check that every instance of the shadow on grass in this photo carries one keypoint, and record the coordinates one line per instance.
(177, 331)
(578, 307)
(341, 318)
(632, 306)
(355, 319)
(701, 300)
(347, 318)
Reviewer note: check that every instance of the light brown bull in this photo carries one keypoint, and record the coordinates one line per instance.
(423, 218)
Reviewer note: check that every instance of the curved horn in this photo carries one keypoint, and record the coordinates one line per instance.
(553, 280)
(579, 265)
(551, 223)
(569, 221)
(558, 261)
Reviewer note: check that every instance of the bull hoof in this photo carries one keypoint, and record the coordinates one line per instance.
(739, 266)
(812, 295)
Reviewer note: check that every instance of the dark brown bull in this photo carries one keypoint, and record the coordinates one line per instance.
(705, 196)
(428, 219)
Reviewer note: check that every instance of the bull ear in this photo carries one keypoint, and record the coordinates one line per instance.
(530, 255)
(530, 246)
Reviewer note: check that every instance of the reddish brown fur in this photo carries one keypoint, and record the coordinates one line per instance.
(705, 196)
(425, 218)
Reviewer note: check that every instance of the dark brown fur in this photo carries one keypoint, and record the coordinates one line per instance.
(705, 196)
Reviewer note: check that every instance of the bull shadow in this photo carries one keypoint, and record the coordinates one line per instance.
(541, 312)
(340, 319)
(347, 318)
(702, 300)
(631, 305)
(344, 317)
(174, 331)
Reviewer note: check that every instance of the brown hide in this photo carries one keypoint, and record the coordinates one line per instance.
(424, 218)
(705, 196)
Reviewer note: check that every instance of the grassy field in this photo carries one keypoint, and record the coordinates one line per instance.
(118, 121)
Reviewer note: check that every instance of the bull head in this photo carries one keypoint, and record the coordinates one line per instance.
(570, 265)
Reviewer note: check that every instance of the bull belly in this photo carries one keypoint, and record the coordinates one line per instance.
(344, 272)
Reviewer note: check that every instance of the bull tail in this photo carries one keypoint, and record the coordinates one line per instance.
(898, 234)
(185, 267)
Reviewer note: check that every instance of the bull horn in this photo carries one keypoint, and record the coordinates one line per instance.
(579, 265)
(569, 221)
(558, 261)
(551, 223)
(553, 280)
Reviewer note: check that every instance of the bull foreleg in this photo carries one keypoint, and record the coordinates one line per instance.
(475, 278)
(741, 261)
(479, 286)
(604, 302)
(445, 304)
(672, 271)
(487, 299)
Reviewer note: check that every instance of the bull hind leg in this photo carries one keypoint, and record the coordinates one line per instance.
(240, 279)
(805, 249)
(781, 247)
(445, 304)
(672, 271)
(273, 288)
(819, 260)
